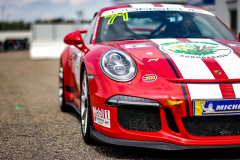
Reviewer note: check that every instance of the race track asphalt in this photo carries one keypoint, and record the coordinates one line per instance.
(32, 125)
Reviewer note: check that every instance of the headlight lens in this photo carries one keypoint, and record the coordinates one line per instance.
(118, 65)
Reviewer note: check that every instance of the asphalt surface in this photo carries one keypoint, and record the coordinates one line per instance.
(32, 125)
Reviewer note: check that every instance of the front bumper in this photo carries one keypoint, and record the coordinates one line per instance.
(168, 137)
(148, 144)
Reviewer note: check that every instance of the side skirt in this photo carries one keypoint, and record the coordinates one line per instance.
(73, 106)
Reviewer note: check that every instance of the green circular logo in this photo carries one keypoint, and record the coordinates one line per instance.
(192, 49)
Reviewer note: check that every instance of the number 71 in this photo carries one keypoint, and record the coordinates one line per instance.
(113, 16)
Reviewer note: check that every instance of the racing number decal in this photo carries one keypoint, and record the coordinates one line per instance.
(125, 16)
(113, 16)
(111, 20)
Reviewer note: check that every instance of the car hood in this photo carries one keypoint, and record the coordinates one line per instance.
(187, 60)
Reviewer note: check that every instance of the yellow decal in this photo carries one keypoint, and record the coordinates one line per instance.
(218, 72)
(113, 16)
(125, 16)
(198, 107)
(172, 103)
(153, 60)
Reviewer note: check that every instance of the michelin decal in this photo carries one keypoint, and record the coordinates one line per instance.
(101, 117)
(216, 107)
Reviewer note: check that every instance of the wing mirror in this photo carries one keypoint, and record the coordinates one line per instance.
(75, 39)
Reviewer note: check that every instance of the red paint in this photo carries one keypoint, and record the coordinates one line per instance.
(239, 37)
(158, 5)
(75, 39)
(226, 89)
(166, 86)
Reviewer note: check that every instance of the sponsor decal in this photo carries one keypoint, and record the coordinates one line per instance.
(113, 16)
(218, 72)
(101, 117)
(234, 44)
(216, 107)
(156, 59)
(149, 53)
(194, 49)
(140, 49)
(149, 77)
(136, 45)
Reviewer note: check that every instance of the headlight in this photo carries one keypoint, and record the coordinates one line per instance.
(118, 65)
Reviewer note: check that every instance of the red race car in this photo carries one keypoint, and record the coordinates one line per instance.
(155, 76)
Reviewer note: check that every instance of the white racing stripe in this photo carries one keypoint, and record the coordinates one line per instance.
(231, 65)
(194, 68)
(236, 88)
(190, 68)
(142, 5)
(205, 91)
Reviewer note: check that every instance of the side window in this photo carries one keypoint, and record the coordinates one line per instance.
(88, 37)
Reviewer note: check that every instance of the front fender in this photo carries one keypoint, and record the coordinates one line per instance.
(91, 59)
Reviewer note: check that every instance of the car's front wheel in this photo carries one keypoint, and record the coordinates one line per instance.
(85, 109)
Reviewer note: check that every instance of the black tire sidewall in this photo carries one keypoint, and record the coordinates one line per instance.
(87, 137)
(63, 106)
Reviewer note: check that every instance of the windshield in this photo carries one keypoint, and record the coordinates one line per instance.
(161, 24)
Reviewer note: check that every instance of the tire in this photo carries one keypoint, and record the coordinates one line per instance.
(85, 110)
(61, 92)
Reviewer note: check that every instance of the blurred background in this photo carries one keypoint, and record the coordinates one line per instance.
(40, 25)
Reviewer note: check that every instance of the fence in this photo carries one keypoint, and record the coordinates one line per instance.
(47, 39)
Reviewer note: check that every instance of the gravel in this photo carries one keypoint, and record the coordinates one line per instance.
(32, 125)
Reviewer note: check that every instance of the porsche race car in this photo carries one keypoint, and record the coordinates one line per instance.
(154, 75)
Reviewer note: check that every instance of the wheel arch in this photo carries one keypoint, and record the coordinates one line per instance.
(83, 66)
(81, 72)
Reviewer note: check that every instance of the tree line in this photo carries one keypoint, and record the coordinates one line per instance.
(21, 25)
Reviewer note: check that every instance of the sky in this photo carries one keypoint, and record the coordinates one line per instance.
(31, 10)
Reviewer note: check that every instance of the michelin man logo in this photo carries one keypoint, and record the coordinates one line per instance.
(208, 109)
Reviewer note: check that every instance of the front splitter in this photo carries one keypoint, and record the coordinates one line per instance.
(149, 144)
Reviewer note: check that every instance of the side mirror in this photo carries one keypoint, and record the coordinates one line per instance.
(75, 39)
